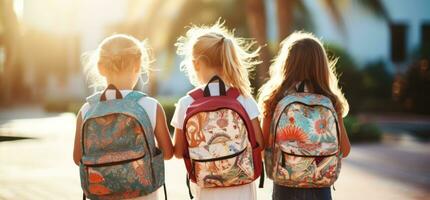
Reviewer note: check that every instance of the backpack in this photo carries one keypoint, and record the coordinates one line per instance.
(119, 156)
(303, 142)
(221, 149)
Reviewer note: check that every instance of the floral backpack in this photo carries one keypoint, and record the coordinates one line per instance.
(221, 147)
(304, 142)
(120, 159)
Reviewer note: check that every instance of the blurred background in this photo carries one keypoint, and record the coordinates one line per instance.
(383, 48)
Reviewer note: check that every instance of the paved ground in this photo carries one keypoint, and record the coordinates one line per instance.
(42, 167)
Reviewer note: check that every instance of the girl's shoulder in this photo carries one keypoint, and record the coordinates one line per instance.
(149, 99)
(250, 105)
(184, 101)
(247, 100)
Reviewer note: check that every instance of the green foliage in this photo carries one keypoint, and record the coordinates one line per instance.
(377, 80)
(169, 109)
(350, 78)
(366, 89)
(362, 132)
(416, 86)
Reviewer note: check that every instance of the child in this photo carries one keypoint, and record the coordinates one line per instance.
(115, 130)
(218, 146)
(301, 105)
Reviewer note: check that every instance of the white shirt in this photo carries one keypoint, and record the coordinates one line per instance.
(242, 192)
(149, 104)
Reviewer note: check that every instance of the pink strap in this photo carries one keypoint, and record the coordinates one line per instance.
(233, 93)
(196, 93)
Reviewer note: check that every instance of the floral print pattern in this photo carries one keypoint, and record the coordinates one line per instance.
(219, 148)
(304, 142)
(119, 159)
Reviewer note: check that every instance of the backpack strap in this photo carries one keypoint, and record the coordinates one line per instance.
(196, 93)
(94, 98)
(135, 95)
(302, 86)
(233, 93)
(101, 96)
(221, 85)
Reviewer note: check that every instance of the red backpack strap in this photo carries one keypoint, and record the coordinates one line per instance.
(196, 93)
(233, 93)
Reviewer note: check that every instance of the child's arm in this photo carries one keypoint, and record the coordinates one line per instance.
(266, 130)
(179, 143)
(162, 134)
(257, 131)
(77, 153)
(345, 146)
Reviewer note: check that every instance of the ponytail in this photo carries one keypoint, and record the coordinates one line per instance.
(221, 49)
(234, 72)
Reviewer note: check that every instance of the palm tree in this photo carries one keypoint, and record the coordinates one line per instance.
(10, 41)
(287, 20)
(256, 19)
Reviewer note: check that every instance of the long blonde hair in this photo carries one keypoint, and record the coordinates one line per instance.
(219, 48)
(302, 58)
(116, 53)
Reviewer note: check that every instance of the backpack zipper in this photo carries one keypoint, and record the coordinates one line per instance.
(308, 156)
(115, 163)
(221, 158)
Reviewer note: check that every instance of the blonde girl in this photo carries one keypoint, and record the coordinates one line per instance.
(302, 58)
(119, 61)
(214, 51)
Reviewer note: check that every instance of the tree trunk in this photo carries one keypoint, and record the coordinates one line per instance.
(256, 19)
(285, 17)
(11, 44)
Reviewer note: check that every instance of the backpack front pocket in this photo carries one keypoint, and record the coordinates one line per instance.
(306, 171)
(117, 181)
(231, 170)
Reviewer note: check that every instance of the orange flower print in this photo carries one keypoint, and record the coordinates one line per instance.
(320, 126)
(141, 172)
(95, 177)
(291, 119)
(291, 133)
(106, 120)
(98, 189)
(195, 135)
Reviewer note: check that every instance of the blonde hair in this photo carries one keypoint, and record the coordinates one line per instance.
(219, 48)
(116, 53)
(302, 58)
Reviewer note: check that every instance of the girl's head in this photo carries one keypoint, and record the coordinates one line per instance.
(118, 60)
(302, 58)
(214, 50)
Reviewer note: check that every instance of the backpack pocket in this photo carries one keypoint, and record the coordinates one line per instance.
(306, 171)
(118, 180)
(230, 170)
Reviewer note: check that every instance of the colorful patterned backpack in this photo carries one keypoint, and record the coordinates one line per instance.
(120, 159)
(221, 147)
(304, 142)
